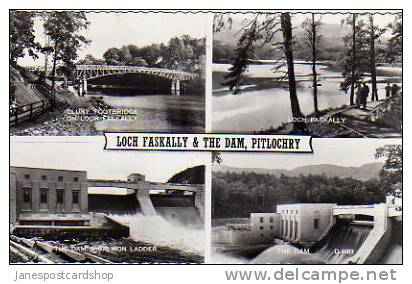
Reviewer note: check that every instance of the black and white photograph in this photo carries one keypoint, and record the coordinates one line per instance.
(86, 72)
(326, 73)
(73, 202)
(340, 205)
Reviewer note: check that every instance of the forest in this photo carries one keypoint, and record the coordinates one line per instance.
(239, 194)
(181, 53)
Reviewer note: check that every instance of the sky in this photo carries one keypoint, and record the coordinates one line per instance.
(108, 30)
(297, 19)
(337, 151)
(86, 153)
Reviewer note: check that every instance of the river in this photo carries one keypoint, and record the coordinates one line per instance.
(261, 107)
(155, 112)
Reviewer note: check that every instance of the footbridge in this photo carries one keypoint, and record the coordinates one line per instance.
(87, 72)
(136, 184)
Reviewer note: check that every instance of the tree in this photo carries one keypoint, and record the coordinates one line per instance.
(374, 33)
(64, 30)
(286, 24)
(395, 43)
(22, 38)
(355, 61)
(256, 31)
(392, 173)
(90, 60)
(312, 38)
(113, 56)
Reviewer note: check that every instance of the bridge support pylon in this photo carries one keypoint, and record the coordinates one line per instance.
(82, 87)
(175, 87)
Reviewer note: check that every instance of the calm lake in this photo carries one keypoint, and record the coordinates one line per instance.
(257, 108)
(155, 112)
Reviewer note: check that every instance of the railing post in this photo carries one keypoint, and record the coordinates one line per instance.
(16, 114)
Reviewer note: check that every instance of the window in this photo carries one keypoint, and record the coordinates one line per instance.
(27, 195)
(271, 227)
(76, 197)
(60, 178)
(316, 224)
(43, 177)
(26, 176)
(76, 179)
(60, 197)
(287, 211)
(291, 211)
(261, 219)
(43, 196)
(271, 219)
(261, 227)
(262, 235)
(297, 212)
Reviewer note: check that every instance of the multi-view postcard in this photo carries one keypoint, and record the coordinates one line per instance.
(206, 137)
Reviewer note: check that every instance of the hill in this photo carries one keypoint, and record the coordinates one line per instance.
(364, 172)
(194, 175)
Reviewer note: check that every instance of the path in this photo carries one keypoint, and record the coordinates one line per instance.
(360, 121)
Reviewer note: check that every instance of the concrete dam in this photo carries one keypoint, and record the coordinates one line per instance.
(318, 233)
(181, 203)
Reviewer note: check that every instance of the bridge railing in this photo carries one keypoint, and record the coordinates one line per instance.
(130, 68)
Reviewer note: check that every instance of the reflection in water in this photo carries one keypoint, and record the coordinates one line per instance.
(157, 112)
(257, 109)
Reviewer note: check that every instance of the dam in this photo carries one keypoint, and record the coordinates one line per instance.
(60, 200)
(319, 233)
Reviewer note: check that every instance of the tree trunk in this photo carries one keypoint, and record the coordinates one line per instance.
(314, 56)
(54, 75)
(352, 81)
(373, 60)
(299, 127)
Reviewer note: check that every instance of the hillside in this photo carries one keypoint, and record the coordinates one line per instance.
(194, 175)
(20, 86)
(364, 172)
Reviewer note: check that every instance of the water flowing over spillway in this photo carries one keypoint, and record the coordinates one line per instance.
(343, 242)
(159, 232)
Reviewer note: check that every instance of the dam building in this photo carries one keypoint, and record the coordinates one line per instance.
(311, 224)
(51, 201)
(37, 195)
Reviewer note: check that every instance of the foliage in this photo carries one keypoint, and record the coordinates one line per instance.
(22, 38)
(239, 194)
(193, 175)
(394, 45)
(182, 53)
(356, 55)
(392, 173)
(64, 30)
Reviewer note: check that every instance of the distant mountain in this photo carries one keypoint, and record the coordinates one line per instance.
(364, 172)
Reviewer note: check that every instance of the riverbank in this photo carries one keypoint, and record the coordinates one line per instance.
(249, 84)
(379, 120)
(263, 104)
